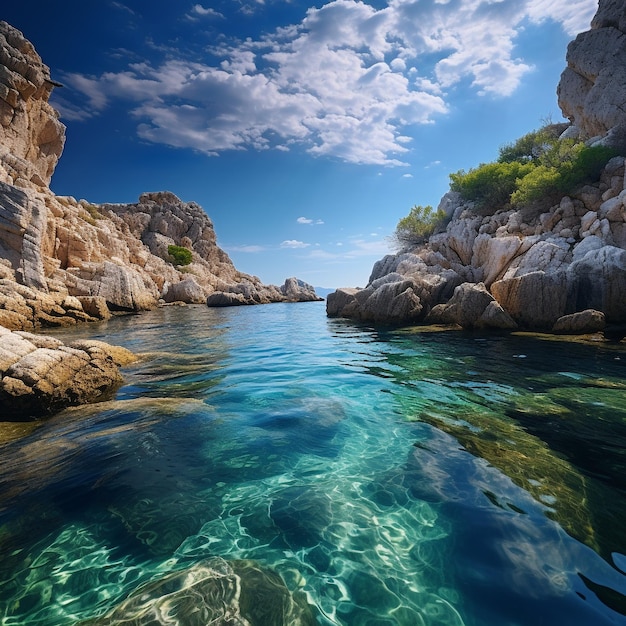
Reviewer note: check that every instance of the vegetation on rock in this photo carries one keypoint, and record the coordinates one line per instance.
(538, 168)
(180, 255)
(418, 226)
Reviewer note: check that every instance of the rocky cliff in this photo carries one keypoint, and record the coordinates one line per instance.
(592, 89)
(64, 260)
(562, 269)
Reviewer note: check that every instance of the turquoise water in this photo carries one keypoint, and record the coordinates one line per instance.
(394, 477)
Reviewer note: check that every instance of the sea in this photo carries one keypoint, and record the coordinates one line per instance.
(385, 476)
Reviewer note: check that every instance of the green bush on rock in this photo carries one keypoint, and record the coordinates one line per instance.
(538, 168)
(179, 255)
(418, 225)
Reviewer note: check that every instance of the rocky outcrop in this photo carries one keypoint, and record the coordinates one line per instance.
(64, 260)
(508, 270)
(560, 269)
(40, 375)
(214, 591)
(31, 136)
(592, 90)
(250, 292)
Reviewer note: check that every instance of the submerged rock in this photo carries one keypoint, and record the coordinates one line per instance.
(41, 375)
(214, 591)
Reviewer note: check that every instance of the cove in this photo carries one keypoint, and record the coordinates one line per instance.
(386, 476)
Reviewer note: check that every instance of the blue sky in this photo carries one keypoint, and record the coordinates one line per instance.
(305, 130)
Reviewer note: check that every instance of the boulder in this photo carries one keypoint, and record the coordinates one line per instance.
(342, 302)
(391, 299)
(41, 375)
(96, 306)
(583, 322)
(222, 298)
(295, 290)
(534, 300)
(598, 281)
(472, 306)
(187, 291)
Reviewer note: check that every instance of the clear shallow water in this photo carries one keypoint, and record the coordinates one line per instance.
(394, 477)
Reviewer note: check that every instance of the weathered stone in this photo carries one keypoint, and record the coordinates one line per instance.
(221, 298)
(95, 306)
(41, 375)
(588, 321)
(598, 281)
(535, 300)
(31, 136)
(342, 302)
(188, 291)
(296, 290)
(592, 89)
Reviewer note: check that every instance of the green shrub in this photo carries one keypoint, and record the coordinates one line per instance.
(490, 185)
(418, 225)
(533, 145)
(563, 168)
(179, 255)
(541, 183)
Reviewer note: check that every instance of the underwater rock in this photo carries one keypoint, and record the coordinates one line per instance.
(214, 591)
(301, 514)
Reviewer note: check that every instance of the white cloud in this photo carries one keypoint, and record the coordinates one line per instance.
(306, 220)
(294, 243)
(407, 175)
(347, 82)
(198, 11)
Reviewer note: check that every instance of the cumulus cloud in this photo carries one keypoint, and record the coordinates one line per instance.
(294, 243)
(306, 220)
(347, 82)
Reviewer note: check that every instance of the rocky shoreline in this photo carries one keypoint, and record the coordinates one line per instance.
(63, 260)
(560, 269)
(41, 375)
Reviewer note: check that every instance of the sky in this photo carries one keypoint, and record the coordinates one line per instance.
(304, 129)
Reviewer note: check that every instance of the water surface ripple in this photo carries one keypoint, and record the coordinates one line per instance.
(394, 477)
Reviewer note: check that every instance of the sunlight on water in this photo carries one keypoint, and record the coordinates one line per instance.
(280, 467)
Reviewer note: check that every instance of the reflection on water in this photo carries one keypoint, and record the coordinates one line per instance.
(279, 467)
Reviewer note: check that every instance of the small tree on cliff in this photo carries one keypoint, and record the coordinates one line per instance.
(417, 226)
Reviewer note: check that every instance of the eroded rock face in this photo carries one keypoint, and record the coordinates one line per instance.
(592, 90)
(506, 270)
(41, 375)
(31, 136)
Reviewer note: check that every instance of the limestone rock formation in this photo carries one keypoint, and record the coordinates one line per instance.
(31, 136)
(508, 270)
(592, 90)
(249, 291)
(214, 591)
(563, 269)
(64, 260)
(41, 375)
